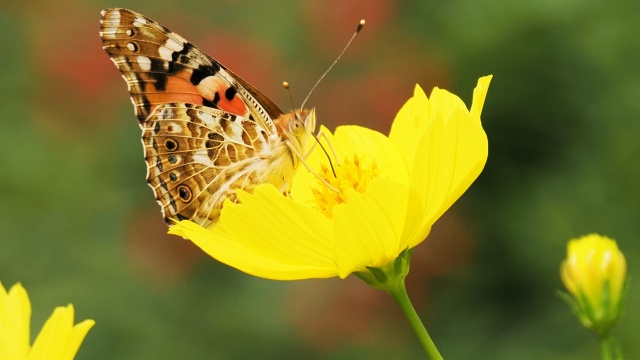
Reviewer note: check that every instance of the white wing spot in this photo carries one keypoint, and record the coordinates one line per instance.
(174, 45)
(111, 23)
(226, 76)
(170, 46)
(208, 120)
(131, 46)
(109, 33)
(176, 127)
(165, 53)
(114, 17)
(138, 22)
(234, 131)
(202, 157)
(144, 62)
(129, 32)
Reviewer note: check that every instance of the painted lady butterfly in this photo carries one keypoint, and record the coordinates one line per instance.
(206, 132)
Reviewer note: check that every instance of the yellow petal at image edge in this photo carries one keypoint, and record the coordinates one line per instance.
(59, 338)
(15, 317)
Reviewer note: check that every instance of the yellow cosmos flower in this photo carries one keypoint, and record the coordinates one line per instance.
(594, 272)
(59, 339)
(385, 195)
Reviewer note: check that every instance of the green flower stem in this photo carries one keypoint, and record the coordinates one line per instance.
(390, 278)
(398, 291)
(610, 348)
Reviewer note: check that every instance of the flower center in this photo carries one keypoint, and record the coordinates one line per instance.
(351, 174)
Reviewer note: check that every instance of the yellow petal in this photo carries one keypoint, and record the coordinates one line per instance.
(567, 276)
(59, 339)
(78, 333)
(409, 125)
(368, 228)
(268, 235)
(348, 141)
(369, 144)
(15, 315)
(443, 103)
(450, 156)
(617, 275)
(479, 96)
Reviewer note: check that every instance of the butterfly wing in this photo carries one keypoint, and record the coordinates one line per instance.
(161, 67)
(204, 128)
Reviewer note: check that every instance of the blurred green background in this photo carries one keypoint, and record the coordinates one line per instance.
(78, 222)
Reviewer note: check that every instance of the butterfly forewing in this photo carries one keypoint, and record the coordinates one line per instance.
(161, 66)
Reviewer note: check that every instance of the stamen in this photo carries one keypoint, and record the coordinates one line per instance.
(351, 174)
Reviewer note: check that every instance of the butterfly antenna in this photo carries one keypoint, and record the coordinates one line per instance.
(286, 86)
(360, 26)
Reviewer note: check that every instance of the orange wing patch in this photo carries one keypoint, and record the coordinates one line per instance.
(221, 95)
(177, 89)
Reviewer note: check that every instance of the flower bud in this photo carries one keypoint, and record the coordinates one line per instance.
(594, 272)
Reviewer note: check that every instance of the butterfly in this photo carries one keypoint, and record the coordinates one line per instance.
(206, 132)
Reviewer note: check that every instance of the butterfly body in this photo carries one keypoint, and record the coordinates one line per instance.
(206, 132)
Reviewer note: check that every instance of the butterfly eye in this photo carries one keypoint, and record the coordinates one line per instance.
(296, 126)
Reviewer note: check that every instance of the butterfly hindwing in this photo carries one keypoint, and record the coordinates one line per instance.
(197, 156)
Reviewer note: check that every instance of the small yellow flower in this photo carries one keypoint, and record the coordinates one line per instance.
(59, 339)
(385, 195)
(594, 272)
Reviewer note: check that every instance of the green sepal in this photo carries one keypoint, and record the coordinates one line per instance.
(573, 304)
(386, 276)
(601, 321)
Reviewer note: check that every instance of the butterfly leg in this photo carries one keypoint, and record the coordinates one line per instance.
(304, 162)
(322, 135)
(335, 155)
(317, 137)
(306, 155)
